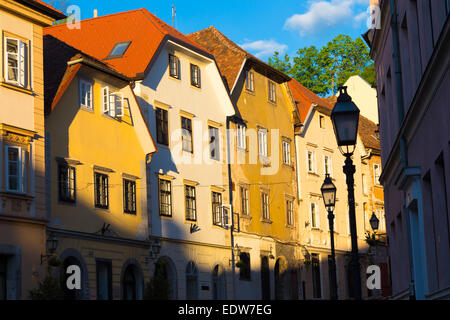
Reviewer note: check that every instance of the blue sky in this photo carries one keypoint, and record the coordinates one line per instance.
(259, 26)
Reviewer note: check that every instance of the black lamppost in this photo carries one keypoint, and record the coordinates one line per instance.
(374, 222)
(345, 118)
(329, 199)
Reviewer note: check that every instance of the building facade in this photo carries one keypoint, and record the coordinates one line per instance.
(185, 103)
(22, 179)
(263, 167)
(410, 50)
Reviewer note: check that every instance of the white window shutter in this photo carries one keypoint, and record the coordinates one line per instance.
(22, 63)
(105, 101)
(112, 105)
(119, 104)
(23, 170)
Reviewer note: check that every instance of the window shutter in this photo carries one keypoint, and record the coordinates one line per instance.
(106, 98)
(119, 104)
(112, 104)
(22, 63)
(23, 170)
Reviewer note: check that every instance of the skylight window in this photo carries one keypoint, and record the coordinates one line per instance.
(119, 50)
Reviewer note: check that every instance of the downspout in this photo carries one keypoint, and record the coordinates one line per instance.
(230, 191)
(401, 115)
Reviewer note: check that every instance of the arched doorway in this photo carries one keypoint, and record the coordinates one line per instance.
(265, 278)
(165, 269)
(129, 284)
(219, 287)
(74, 294)
(191, 281)
(280, 279)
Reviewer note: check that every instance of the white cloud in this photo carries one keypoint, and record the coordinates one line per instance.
(264, 48)
(323, 13)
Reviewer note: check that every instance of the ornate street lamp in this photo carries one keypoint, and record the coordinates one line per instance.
(329, 199)
(345, 118)
(51, 245)
(374, 222)
(155, 249)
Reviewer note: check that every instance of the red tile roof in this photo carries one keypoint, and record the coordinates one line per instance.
(229, 55)
(98, 36)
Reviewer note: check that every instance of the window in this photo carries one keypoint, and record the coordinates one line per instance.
(311, 161)
(162, 126)
(66, 182)
(249, 81)
(16, 60)
(272, 92)
(447, 6)
(195, 76)
(119, 50)
(112, 103)
(214, 151)
(174, 66)
(186, 127)
(265, 205)
(104, 280)
(262, 142)
(16, 169)
(376, 173)
(191, 281)
(129, 196)
(191, 214)
(317, 286)
(217, 208)
(322, 122)
(165, 198)
(241, 137)
(364, 184)
(86, 94)
(244, 266)
(287, 153)
(244, 200)
(290, 212)
(3, 278)
(328, 165)
(314, 216)
(101, 190)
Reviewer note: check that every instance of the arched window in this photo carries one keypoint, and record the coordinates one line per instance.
(129, 284)
(191, 281)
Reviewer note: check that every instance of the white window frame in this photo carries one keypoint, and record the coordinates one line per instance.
(286, 152)
(272, 91)
(376, 173)
(262, 142)
(264, 197)
(22, 62)
(249, 81)
(84, 101)
(22, 168)
(290, 221)
(313, 168)
(330, 165)
(241, 137)
(112, 102)
(316, 215)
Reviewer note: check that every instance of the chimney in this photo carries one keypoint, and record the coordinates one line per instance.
(95, 13)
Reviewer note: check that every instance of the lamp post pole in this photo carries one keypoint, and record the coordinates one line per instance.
(334, 293)
(349, 170)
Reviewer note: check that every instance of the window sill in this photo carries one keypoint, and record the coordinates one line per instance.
(251, 92)
(274, 103)
(313, 174)
(88, 109)
(290, 226)
(16, 195)
(245, 216)
(175, 78)
(266, 221)
(195, 87)
(17, 88)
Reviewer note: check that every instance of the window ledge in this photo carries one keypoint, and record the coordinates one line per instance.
(245, 216)
(266, 220)
(248, 91)
(20, 196)
(313, 174)
(17, 88)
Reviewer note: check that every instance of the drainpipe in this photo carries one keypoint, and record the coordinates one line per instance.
(401, 115)
(230, 191)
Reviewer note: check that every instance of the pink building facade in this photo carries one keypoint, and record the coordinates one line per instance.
(411, 50)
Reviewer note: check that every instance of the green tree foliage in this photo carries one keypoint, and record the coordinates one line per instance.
(324, 70)
(48, 289)
(158, 287)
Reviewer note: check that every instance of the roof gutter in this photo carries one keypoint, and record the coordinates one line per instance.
(98, 66)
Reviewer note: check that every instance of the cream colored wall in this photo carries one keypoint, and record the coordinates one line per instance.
(364, 96)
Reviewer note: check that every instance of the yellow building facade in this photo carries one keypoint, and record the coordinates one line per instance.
(98, 146)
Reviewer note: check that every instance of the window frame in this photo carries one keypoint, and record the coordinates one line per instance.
(216, 214)
(126, 204)
(330, 165)
(105, 196)
(184, 135)
(83, 100)
(161, 124)
(265, 205)
(315, 221)
(241, 137)
(376, 173)
(23, 62)
(245, 200)
(72, 169)
(262, 143)
(115, 56)
(250, 81)
(193, 198)
(174, 73)
(245, 270)
(169, 193)
(195, 81)
(313, 168)
(22, 169)
(290, 221)
(272, 91)
(287, 157)
(214, 146)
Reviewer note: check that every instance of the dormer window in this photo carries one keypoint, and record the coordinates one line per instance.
(112, 103)
(119, 50)
(174, 66)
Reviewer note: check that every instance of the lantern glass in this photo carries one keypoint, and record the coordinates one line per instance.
(374, 222)
(328, 192)
(345, 118)
(52, 244)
